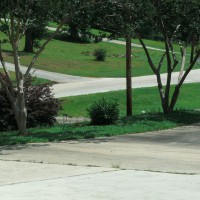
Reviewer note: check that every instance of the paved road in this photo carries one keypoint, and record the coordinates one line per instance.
(133, 45)
(75, 85)
(114, 84)
(66, 170)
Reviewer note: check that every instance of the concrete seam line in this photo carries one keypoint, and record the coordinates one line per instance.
(80, 175)
(114, 169)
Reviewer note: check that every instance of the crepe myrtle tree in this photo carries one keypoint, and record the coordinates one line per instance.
(178, 22)
(14, 20)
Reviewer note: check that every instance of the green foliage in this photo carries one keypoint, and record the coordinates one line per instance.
(100, 54)
(104, 111)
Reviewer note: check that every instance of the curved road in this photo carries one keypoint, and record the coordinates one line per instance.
(69, 85)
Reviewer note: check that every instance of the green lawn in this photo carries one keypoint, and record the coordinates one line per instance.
(136, 124)
(77, 59)
(144, 99)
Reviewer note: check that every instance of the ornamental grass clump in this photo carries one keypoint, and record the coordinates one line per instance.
(100, 54)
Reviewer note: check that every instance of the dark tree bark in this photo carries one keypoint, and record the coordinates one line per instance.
(28, 41)
(73, 31)
(128, 77)
(192, 48)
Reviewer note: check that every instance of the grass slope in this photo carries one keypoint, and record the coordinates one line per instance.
(77, 59)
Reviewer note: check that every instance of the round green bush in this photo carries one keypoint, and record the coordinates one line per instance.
(104, 111)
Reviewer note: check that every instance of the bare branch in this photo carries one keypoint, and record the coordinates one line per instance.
(148, 55)
(189, 69)
(161, 61)
(192, 48)
(182, 64)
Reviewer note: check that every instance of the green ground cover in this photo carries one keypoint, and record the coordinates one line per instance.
(144, 99)
(136, 124)
(77, 59)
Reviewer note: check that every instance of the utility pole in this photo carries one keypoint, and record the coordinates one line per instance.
(128, 77)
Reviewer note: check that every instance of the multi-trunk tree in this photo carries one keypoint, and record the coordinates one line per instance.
(179, 23)
(14, 21)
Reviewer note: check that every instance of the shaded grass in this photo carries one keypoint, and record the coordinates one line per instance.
(136, 124)
(144, 99)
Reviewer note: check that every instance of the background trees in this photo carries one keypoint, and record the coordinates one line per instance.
(77, 29)
(39, 17)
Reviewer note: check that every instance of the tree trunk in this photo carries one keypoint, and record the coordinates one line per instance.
(128, 77)
(192, 48)
(174, 99)
(28, 41)
(21, 112)
(165, 106)
(73, 30)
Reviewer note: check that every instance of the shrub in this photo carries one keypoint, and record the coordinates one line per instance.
(42, 107)
(104, 112)
(100, 54)
(7, 118)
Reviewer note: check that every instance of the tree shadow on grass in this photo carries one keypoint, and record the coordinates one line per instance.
(93, 134)
(179, 117)
(21, 53)
(11, 147)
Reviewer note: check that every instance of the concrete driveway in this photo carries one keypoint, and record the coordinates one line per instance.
(155, 165)
(175, 151)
